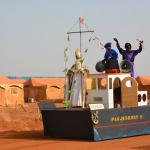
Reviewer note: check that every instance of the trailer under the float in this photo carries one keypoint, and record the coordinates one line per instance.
(100, 124)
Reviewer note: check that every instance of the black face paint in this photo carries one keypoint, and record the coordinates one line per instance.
(128, 46)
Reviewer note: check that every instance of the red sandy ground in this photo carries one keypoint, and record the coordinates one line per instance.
(21, 129)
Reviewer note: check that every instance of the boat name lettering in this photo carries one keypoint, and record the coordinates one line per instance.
(126, 118)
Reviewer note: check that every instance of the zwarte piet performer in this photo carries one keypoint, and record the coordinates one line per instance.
(111, 59)
(129, 54)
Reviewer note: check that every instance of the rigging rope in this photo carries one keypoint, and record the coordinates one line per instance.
(73, 25)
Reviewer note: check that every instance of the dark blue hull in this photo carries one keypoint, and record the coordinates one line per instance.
(96, 124)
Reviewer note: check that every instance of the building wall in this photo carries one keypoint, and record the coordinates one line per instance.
(37, 93)
(14, 95)
(55, 93)
(26, 93)
(2, 96)
(11, 94)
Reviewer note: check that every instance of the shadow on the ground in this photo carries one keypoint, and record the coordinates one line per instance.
(39, 135)
(145, 147)
(32, 135)
(22, 135)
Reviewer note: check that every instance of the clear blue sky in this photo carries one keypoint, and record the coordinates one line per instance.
(33, 33)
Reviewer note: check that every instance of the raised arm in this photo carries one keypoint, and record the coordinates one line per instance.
(139, 49)
(121, 51)
(140, 46)
(135, 52)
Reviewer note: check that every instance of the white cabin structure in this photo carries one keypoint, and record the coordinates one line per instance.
(112, 90)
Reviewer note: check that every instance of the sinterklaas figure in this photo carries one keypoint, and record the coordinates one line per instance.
(76, 75)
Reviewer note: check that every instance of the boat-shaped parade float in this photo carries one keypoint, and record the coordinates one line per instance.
(98, 106)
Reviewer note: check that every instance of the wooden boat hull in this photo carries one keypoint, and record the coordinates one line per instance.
(95, 125)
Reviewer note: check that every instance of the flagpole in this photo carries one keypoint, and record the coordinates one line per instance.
(80, 36)
(82, 81)
(81, 20)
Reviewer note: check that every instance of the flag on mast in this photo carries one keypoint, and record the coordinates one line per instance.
(82, 20)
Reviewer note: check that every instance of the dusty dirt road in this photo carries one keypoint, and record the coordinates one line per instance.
(34, 140)
(21, 129)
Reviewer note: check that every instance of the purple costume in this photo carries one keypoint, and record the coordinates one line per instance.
(130, 56)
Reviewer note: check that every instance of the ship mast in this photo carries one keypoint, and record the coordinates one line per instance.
(80, 32)
(81, 21)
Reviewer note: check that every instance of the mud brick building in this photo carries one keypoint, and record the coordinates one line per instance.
(44, 89)
(11, 92)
